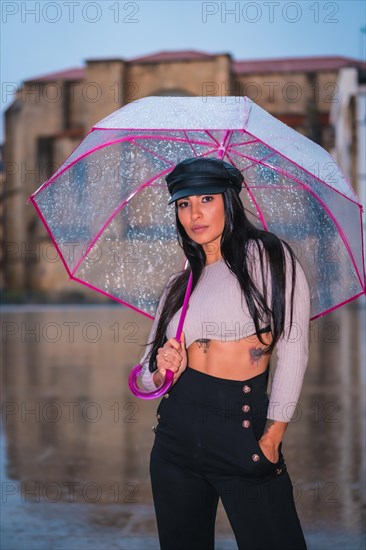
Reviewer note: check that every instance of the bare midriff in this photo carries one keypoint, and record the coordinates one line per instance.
(236, 360)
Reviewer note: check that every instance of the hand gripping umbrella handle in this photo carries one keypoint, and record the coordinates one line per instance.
(166, 384)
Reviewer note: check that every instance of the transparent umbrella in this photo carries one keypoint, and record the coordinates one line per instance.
(106, 210)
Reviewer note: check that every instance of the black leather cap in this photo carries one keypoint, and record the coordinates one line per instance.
(198, 176)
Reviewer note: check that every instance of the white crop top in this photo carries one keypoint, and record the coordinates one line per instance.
(217, 310)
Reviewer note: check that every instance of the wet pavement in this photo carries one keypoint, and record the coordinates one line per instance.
(75, 442)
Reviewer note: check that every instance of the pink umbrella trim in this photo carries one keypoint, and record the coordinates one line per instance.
(323, 182)
(169, 138)
(115, 212)
(140, 310)
(59, 172)
(50, 234)
(340, 230)
(222, 151)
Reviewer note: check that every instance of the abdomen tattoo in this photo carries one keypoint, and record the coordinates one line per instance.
(255, 355)
(204, 344)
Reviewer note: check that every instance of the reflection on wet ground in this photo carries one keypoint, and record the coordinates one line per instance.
(75, 442)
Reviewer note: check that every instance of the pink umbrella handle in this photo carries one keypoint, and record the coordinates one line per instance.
(165, 386)
(136, 370)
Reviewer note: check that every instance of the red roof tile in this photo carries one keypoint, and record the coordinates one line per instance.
(281, 65)
(289, 64)
(171, 56)
(68, 74)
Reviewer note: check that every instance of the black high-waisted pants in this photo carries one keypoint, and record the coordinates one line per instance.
(206, 447)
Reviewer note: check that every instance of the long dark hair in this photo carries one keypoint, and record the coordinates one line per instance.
(238, 231)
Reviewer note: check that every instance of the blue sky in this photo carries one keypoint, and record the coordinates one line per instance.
(40, 37)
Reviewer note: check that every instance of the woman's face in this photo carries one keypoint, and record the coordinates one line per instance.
(207, 211)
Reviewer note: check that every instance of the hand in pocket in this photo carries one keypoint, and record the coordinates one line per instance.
(269, 449)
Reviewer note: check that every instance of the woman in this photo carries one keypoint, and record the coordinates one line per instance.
(219, 433)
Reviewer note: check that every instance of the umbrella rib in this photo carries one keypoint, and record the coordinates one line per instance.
(163, 159)
(223, 147)
(272, 187)
(343, 236)
(307, 188)
(111, 296)
(110, 218)
(255, 140)
(363, 251)
(63, 168)
(152, 153)
(338, 305)
(55, 174)
(51, 236)
(212, 137)
(243, 143)
(190, 142)
(260, 213)
(323, 182)
(255, 161)
(208, 152)
(151, 317)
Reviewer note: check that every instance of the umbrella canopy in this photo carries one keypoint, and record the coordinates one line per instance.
(106, 208)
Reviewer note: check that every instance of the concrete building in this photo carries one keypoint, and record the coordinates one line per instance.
(51, 114)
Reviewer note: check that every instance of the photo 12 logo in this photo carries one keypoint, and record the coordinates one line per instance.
(70, 12)
(269, 12)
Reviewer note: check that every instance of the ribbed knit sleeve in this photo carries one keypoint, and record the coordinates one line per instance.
(146, 375)
(292, 348)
